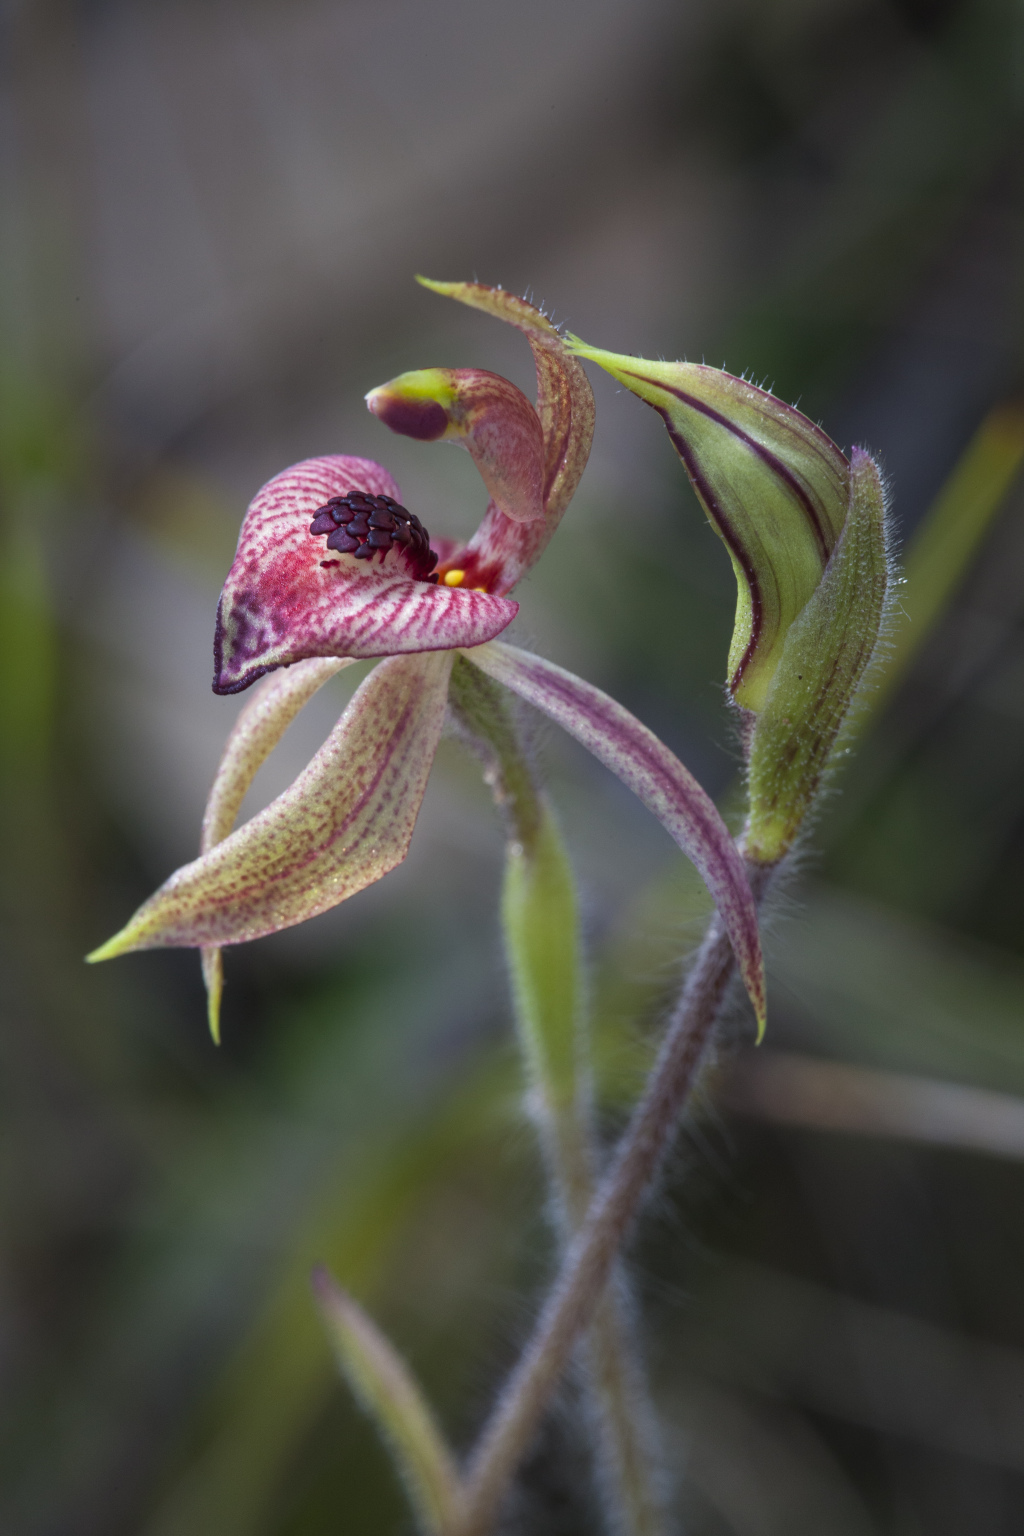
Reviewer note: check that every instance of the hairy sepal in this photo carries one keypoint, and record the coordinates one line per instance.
(656, 775)
(486, 414)
(283, 602)
(825, 655)
(259, 727)
(345, 822)
(502, 550)
(774, 487)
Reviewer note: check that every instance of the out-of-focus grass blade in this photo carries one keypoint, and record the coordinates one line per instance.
(859, 981)
(354, 1210)
(382, 1382)
(787, 1088)
(949, 537)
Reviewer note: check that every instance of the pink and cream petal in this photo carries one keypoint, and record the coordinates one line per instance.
(256, 732)
(284, 602)
(346, 821)
(657, 776)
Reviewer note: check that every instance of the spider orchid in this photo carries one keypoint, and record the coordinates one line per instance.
(330, 568)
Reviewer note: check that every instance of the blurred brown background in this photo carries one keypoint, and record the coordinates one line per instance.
(211, 215)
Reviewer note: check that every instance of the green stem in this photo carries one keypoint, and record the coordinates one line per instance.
(592, 1257)
(542, 941)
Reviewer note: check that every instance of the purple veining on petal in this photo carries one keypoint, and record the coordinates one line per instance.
(655, 775)
(280, 604)
(345, 821)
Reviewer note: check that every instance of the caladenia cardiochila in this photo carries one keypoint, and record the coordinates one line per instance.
(332, 566)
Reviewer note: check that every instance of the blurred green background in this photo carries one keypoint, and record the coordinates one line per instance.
(211, 215)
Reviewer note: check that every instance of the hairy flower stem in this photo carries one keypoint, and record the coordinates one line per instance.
(591, 1258)
(542, 936)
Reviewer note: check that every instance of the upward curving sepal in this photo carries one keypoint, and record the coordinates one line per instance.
(487, 415)
(654, 774)
(345, 822)
(289, 595)
(502, 550)
(259, 727)
(773, 485)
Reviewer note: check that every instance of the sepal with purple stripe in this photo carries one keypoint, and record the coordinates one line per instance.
(657, 776)
(774, 486)
(261, 723)
(345, 821)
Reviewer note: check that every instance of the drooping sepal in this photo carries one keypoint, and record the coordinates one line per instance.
(289, 596)
(345, 822)
(487, 415)
(824, 657)
(259, 727)
(774, 487)
(656, 776)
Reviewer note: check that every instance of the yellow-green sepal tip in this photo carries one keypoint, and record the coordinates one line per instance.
(213, 980)
(121, 944)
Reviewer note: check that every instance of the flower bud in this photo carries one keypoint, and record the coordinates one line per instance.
(805, 530)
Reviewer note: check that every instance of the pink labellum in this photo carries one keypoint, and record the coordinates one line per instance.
(653, 773)
(345, 822)
(292, 594)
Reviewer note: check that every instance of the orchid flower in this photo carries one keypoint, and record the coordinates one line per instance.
(331, 567)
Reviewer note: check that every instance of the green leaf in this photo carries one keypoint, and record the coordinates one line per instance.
(948, 539)
(384, 1386)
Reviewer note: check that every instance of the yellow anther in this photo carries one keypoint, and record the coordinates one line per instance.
(454, 578)
(479, 589)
